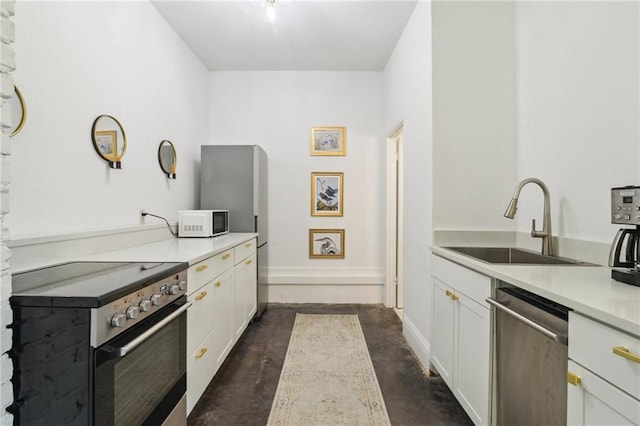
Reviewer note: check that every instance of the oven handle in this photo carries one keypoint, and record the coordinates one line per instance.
(124, 350)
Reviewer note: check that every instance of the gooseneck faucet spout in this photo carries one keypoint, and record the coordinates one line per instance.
(545, 233)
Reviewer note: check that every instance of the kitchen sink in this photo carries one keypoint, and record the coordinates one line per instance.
(514, 256)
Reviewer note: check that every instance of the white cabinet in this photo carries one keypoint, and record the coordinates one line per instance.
(210, 289)
(245, 287)
(223, 335)
(461, 335)
(223, 289)
(603, 374)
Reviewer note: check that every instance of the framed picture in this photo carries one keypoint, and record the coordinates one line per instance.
(329, 141)
(326, 193)
(107, 142)
(326, 243)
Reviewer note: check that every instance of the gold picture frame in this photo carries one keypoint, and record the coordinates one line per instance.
(327, 194)
(107, 143)
(329, 141)
(326, 243)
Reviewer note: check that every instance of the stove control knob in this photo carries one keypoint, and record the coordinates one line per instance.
(174, 289)
(155, 299)
(182, 285)
(145, 305)
(132, 312)
(118, 320)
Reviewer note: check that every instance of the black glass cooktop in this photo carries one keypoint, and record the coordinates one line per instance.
(86, 284)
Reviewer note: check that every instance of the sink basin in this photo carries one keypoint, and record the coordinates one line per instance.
(514, 256)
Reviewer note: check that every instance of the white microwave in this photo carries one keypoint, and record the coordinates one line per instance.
(203, 223)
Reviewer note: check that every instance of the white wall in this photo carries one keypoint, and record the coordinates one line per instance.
(407, 78)
(7, 120)
(277, 111)
(78, 60)
(474, 115)
(578, 110)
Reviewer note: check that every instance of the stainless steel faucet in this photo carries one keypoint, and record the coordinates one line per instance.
(545, 233)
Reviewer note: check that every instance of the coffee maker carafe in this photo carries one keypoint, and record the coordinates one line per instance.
(624, 256)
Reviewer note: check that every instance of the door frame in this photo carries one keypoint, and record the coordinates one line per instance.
(394, 224)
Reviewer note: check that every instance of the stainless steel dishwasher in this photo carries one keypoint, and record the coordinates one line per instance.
(531, 358)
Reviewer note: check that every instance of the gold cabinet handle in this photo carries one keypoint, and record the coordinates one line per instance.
(248, 262)
(201, 268)
(201, 295)
(452, 295)
(625, 353)
(573, 378)
(226, 256)
(248, 245)
(201, 353)
(217, 284)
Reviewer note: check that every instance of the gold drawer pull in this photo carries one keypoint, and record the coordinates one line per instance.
(625, 353)
(217, 284)
(248, 245)
(201, 295)
(201, 353)
(452, 295)
(201, 268)
(226, 256)
(573, 378)
(248, 262)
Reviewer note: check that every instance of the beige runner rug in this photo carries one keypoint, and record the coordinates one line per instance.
(327, 377)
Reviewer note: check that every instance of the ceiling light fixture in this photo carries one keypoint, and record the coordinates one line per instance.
(271, 11)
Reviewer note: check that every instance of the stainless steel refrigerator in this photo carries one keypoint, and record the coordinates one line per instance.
(234, 178)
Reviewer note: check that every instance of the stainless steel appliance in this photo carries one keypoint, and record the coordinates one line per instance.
(531, 358)
(624, 256)
(234, 177)
(100, 343)
(203, 223)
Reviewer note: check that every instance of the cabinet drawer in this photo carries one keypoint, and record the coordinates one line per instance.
(611, 354)
(470, 283)
(206, 270)
(244, 250)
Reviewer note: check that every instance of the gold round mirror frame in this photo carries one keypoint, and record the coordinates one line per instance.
(23, 106)
(106, 143)
(168, 169)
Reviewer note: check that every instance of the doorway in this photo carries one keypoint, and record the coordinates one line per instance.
(394, 282)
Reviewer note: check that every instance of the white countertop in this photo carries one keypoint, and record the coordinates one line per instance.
(585, 289)
(191, 250)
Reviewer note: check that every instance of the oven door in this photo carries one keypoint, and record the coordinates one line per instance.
(140, 376)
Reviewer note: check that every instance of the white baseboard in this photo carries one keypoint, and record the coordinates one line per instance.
(417, 342)
(325, 293)
(326, 276)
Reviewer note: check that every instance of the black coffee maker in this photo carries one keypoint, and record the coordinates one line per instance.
(624, 256)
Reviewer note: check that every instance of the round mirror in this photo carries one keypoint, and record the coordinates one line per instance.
(167, 158)
(109, 140)
(19, 108)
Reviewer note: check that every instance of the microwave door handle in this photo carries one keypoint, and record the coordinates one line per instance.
(122, 351)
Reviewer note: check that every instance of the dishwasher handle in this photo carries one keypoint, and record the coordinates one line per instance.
(560, 338)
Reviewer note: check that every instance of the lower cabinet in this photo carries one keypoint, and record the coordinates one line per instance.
(603, 374)
(245, 296)
(591, 400)
(461, 335)
(223, 291)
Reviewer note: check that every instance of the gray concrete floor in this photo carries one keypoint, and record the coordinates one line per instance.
(242, 391)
